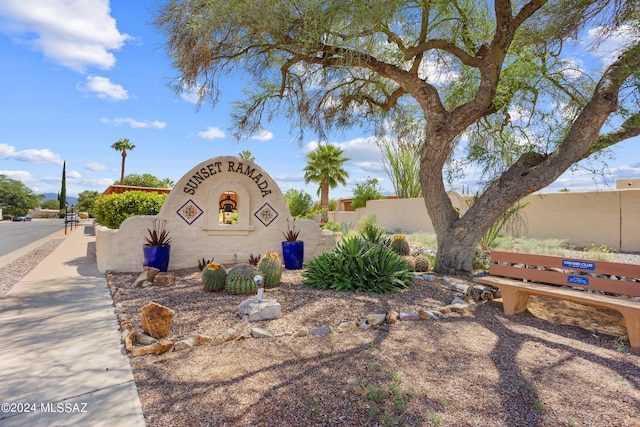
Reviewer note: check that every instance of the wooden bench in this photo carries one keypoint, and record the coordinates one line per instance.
(519, 275)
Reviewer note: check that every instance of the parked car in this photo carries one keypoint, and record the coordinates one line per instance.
(22, 218)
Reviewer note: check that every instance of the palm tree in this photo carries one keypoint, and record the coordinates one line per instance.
(324, 166)
(123, 145)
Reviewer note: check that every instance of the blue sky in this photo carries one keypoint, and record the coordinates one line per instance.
(78, 75)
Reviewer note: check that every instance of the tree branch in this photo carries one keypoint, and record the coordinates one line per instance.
(464, 57)
(628, 129)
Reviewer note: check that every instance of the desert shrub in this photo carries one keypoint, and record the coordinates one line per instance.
(111, 210)
(357, 265)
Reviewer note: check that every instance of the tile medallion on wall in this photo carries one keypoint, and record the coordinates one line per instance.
(266, 214)
(189, 212)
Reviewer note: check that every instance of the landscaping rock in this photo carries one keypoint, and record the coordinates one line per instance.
(428, 315)
(165, 279)
(160, 347)
(346, 326)
(376, 319)
(147, 275)
(302, 332)
(408, 315)
(145, 339)
(202, 339)
(260, 333)
(252, 310)
(229, 335)
(392, 317)
(322, 330)
(184, 344)
(157, 319)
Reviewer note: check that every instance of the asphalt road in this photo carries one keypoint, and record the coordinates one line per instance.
(15, 235)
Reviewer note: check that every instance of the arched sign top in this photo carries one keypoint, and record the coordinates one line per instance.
(226, 167)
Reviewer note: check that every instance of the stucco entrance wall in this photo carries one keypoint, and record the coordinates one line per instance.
(193, 217)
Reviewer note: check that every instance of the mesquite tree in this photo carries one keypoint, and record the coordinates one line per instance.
(494, 75)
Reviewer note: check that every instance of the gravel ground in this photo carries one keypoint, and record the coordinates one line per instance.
(11, 273)
(560, 364)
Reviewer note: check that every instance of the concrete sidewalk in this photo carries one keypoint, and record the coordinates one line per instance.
(61, 359)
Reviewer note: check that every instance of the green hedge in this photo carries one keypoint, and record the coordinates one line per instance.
(111, 210)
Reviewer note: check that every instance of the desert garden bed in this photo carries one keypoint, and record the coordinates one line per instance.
(559, 364)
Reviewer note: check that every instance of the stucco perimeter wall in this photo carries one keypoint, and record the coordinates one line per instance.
(601, 218)
(191, 212)
(609, 218)
(401, 215)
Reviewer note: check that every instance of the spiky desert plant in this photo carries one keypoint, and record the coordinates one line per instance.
(422, 263)
(214, 277)
(271, 268)
(202, 263)
(410, 261)
(254, 259)
(400, 246)
(240, 280)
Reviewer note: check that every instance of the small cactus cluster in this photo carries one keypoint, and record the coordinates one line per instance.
(400, 246)
(214, 277)
(240, 280)
(270, 267)
(422, 263)
(410, 261)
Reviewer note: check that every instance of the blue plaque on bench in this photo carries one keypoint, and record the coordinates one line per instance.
(578, 280)
(581, 265)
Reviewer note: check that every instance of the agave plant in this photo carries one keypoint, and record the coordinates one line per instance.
(158, 234)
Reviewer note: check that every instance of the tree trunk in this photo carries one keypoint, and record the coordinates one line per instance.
(324, 201)
(124, 156)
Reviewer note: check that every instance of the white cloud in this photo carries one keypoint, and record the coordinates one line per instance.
(263, 135)
(190, 95)
(211, 133)
(74, 175)
(104, 89)
(23, 176)
(73, 33)
(609, 49)
(136, 124)
(30, 155)
(95, 166)
(363, 153)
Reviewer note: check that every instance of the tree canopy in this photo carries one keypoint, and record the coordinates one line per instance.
(15, 197)
(123, 145)
(325, 167)
(492, 79)
(146, 180)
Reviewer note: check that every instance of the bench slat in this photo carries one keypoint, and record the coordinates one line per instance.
(567, 294)
(599, 267)
(545, 276)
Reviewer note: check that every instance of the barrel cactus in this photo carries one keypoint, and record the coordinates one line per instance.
(214, 277)
(270, 267)
(240, 280)
(422, 263)
(400, 246)
(410, 261)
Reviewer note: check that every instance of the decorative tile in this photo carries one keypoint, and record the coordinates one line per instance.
(190, 211)
(266, 214)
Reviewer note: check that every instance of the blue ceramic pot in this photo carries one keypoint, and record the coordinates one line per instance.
(156, 256)
(293, 254)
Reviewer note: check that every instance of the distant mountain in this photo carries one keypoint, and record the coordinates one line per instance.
(54, 196)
